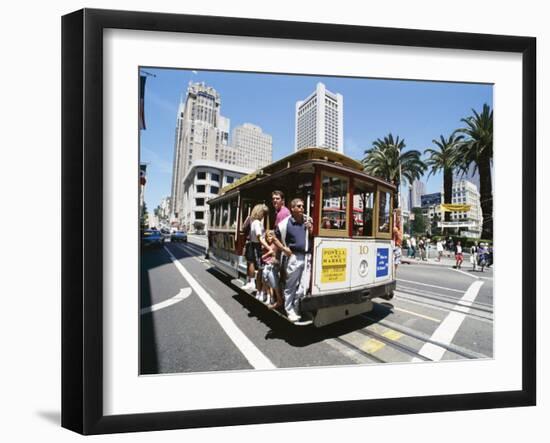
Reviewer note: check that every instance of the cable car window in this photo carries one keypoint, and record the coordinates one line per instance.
(225, 214)
(212, 215)
(218, 216)
(363, 208)
(334, 202)
(233, 213)
(246, 210)
(384, 211)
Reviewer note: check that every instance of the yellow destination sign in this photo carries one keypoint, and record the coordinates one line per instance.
(454, 208)
(333, 266)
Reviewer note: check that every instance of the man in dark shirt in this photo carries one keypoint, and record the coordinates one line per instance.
(294, 233)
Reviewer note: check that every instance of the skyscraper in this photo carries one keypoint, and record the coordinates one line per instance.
(254, 148)
(320, 120)
(418, 188)
(202, 133)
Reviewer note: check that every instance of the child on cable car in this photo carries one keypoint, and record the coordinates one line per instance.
(271, 269)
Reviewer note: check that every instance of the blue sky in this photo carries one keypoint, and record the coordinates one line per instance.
(416, 111)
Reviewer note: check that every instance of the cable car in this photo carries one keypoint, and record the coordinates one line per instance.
(352, 213)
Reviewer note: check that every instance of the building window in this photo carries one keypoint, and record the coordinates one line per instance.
(199, 202)
(201, 175)
(199, 215)
(214, 189)
(215, 177)
(201, 188)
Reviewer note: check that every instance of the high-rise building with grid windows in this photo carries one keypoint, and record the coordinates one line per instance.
(320, 120)
(202, 133)
(254, 147)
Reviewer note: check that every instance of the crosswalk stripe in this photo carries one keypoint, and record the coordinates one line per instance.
(449, 327)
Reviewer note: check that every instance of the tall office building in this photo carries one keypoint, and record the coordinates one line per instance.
(418, 189)
(468, 222)
(202, 133)
(466, 193)
(320, 120)
(254, 148)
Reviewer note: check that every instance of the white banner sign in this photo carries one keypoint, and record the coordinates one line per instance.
(456, 224)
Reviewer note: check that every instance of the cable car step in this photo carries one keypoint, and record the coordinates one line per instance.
(239, 284)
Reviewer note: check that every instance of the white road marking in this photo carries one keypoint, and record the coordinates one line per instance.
(466, 273)
(182, 295)
(448, 328)
(200, 260)
(431, 286)
(243, 343)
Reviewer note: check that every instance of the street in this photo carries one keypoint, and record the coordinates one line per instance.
(194, 320)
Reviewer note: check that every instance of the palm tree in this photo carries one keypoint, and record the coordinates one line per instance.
(477, 148)
(445, 158)
(387, 160)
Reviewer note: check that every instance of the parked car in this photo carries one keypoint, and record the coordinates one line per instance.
(165, 233)
(152, 238)
(179, 236)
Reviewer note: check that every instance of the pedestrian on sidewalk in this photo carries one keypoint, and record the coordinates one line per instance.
(450, 246)
(439, 247)
(413, 248)
(473, 256)
(459, 257)
(483, 254)
(422, 249)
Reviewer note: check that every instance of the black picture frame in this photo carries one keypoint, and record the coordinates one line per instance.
(82, 190)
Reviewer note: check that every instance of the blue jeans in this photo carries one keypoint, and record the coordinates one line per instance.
(270, 275)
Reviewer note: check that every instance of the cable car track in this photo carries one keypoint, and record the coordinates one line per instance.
(425, 338)
(436, 294)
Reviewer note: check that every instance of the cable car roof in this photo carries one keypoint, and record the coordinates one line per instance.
(296, 158)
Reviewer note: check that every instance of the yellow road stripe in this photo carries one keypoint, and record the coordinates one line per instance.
(417, 314)
(372, 345)
(390, 334)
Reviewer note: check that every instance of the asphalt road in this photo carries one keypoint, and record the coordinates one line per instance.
(194, 320)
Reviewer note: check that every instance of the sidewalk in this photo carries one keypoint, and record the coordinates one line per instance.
(432, 260)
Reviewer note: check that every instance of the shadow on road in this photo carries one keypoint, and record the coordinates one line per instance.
(300, 336)
(186, 249)
(148, 358)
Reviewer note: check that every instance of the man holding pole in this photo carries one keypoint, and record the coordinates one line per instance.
(295, 232)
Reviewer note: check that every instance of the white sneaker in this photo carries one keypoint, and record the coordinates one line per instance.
(249, 286)
(260, 296)
(293, 317)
